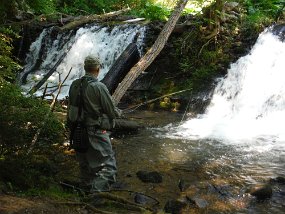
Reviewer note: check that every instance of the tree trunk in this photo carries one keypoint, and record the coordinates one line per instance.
(91, 18)
(151, 54)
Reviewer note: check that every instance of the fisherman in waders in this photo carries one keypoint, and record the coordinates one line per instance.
(97, 165)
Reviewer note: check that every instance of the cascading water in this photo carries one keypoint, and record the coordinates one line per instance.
(107, 43)
(249, 103)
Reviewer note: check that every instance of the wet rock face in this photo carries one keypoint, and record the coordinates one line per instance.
(279, 30)
(149, 177)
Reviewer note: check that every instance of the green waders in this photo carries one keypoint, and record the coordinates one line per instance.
(98, 165)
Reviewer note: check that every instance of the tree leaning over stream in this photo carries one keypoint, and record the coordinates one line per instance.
(151, 54)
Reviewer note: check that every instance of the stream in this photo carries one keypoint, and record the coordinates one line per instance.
(239, 142)
(217, 175)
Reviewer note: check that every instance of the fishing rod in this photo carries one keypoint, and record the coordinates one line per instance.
(133, 108)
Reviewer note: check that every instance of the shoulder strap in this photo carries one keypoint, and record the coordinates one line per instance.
(80, 99)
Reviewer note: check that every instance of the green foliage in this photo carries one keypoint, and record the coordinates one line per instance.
(42, 6)
(203, 77)
(269, 7)
(7, 9)
(21, 117)
(91, 6)
(54, 192)
(27, 171)
(10, 8)
(81, 6)
(8, 66)
(153, 11)
(143, 8)
(263, 11)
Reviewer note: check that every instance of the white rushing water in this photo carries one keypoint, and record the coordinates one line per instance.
(107, 43)
(248, 105)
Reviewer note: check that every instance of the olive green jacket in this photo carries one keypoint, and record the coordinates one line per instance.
(98, 106)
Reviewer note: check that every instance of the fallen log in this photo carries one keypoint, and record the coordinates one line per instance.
(122, 66)
(91, 18)
(151, 54)
(125, 126)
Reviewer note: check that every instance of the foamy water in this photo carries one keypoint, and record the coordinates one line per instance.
(248, 105)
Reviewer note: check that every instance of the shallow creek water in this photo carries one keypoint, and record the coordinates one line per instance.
(216, 174)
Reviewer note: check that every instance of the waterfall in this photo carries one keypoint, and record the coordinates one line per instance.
(106, 43)
(248, 105)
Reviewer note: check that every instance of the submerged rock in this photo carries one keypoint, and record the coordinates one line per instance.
(141, 199)
(182, 185)
(199, 202)
(261, 192)
(174, 206)
(119, 185)
(149, 177)
(278, 180)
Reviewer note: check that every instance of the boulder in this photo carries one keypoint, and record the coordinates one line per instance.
(199, 202)
(229, 6)
(174, 206)
(261, 192)
(278, 180)
(279, 30)
(141, 199)
(149, 177)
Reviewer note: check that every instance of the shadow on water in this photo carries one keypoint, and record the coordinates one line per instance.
(217, 175)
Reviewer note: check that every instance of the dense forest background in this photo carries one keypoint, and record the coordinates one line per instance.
(228, 28)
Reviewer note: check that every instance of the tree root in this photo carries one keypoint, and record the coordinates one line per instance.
(119, 200)
(87, 205)
(205, 46)
(122, 202)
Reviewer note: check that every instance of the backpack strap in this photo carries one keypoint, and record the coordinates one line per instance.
(81, 101)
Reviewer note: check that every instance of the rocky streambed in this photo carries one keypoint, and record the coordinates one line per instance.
(198, 176)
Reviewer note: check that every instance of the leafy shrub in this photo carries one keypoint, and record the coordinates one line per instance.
(89, 6)
(21, 117)
(8, 66)
(263, 11)
(143, 8)
(42, 6)
(27, 171)
(153, 11)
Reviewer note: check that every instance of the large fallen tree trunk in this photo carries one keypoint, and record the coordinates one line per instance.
(151, 54)
(91, 18)
(121, 67)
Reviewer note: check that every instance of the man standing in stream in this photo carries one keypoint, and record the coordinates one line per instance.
(98, 165)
